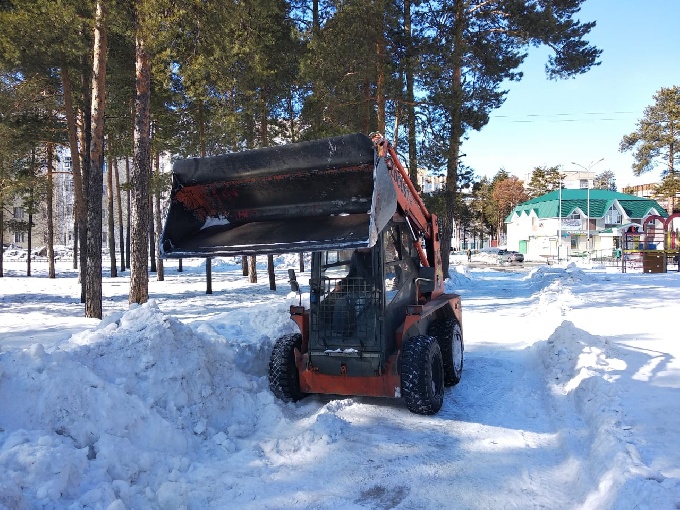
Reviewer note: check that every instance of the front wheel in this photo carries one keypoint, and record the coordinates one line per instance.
(450, 337)
(284, 379)
(422, 375)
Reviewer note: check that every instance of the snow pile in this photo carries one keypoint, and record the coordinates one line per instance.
(486, 257)
(289, 260)
(457, 258)
(140, 382)
(459, 276)
(541, 275)
(568, 399)
(583, 373)
(552, 289)
(292, 261)
(221, 263)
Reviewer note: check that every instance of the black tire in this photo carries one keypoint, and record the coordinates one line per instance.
(284, 379)
(450, 337)
(422, 375)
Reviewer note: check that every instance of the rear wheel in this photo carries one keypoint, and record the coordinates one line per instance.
(422, 375)
(284, 379)
(450, 337)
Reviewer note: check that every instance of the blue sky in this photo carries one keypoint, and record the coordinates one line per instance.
(584, 119)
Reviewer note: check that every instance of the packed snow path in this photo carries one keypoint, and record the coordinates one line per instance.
(565, 402)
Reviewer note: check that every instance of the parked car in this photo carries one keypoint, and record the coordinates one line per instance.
(511, 256)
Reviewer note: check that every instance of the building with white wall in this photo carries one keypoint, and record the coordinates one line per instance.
(574, 222)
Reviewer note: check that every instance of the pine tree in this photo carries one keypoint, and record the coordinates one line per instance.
(544, 180)
(669, 188)
(57, 54)
(349, 65)
(27, 113)
(473, 48)
(141, 168)
(93, 296)
(656, 142)
(605, 180)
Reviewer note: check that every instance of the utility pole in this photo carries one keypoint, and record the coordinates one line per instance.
(559, 219)
(591, 165)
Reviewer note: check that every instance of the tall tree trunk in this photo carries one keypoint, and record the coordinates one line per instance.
(139, 277)
(201, 128)
(244, 265)
(111, 224)
(270, 272)
(128, 230)
(85, 135)
(121, 237)
(29, 244)
(290, 104)
(93, 298)
(160, 269)
(79, 209)
(208, 276)
(410, 98)
(317, 119)
(264, 141)
(152, 234)
(380, 72)
(455, 136)
(264, 126)
(316, 23)
(201, 142)
(397, 113)
(152, 223)
(30, 217)
(368, 108)
(302, 262)
(76, 232)
(2, 237)
(50, 212)
(252, 269)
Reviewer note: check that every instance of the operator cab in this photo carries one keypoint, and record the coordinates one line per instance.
(356, 296)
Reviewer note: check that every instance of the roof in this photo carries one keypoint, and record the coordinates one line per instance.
(595, 203)
(618, 230)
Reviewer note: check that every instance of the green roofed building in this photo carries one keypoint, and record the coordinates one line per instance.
(591, 222)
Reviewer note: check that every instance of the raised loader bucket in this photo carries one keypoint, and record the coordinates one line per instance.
(307, 196)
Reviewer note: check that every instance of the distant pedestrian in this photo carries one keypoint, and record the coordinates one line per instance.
(469, 254)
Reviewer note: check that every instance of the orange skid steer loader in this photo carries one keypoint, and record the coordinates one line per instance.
(379, 322)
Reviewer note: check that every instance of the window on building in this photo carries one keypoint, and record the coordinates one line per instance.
(19, 237)
(583, 183)
(613, 217)
(18, 213)
(67, 161)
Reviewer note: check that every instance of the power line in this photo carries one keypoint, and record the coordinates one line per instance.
(565, 117)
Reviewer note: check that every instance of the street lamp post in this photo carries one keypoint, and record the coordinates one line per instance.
(559, 219)
(591, 165)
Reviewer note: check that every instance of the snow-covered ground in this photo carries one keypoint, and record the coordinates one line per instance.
(569, 399)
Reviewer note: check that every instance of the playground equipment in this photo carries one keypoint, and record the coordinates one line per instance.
(654, 246)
